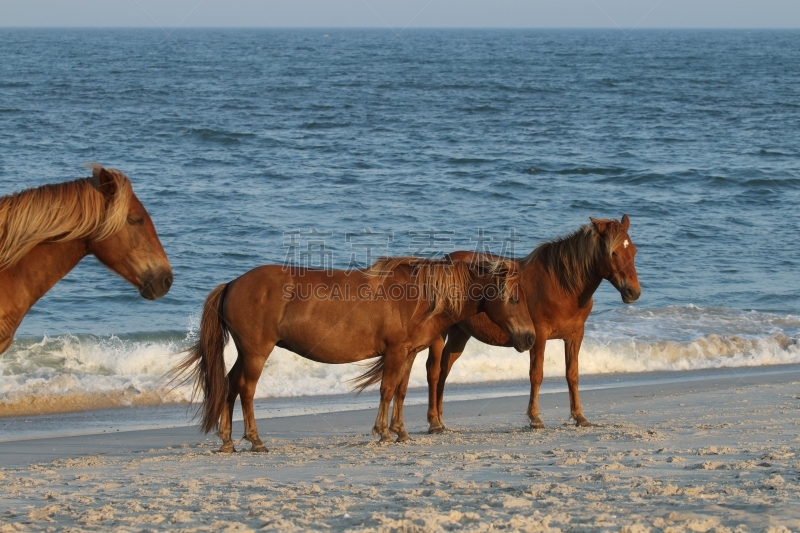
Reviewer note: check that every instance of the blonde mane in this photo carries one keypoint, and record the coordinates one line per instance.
(61, 212)
(445, 284)
(572, 259)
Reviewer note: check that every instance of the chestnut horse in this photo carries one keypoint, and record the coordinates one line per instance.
(391, 311)
(559, 278)
(46, 231)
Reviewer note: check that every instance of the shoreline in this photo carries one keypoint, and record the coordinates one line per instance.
(179, 415)
(360, 416)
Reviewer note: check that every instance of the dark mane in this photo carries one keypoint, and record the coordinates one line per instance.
(571, 259)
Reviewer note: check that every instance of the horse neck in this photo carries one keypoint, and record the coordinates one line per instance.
(584, 296)
(589, 285)
(471, 306)
(535, 273)
(36, 273)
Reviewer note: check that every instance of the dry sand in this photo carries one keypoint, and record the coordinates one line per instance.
(719, 455)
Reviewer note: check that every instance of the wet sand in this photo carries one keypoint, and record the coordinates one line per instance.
(715, 455)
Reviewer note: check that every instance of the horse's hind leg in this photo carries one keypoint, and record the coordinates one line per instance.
(253, 366)
(456, 342)
(392, 373)
(226, 420)
(397, 425)
(433, 367)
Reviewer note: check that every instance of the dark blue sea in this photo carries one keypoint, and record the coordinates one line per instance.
(248, 146)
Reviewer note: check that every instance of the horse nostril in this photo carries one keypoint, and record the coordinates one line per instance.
(632, 294)
(530, 340)
(168, 281)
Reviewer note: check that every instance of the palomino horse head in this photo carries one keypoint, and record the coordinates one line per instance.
(133, 251)
(616, 258)
(505, 304)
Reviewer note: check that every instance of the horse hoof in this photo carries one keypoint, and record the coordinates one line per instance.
(386, 438)
(227, 448)
(405, 437)
(435, 430)
(536, 423)
(581, 422)
(260, 448)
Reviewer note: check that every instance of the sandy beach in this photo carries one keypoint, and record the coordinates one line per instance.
(715, 455)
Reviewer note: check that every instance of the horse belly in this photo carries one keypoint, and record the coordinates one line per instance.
(332, 333)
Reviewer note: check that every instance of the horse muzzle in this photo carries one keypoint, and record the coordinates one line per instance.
(630, 295)
(156, 285)
(524, 342)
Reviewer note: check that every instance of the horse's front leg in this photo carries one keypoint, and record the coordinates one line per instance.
(8, 326)
(572, 347)
(536, 376)
(5, 343)
(397, 426)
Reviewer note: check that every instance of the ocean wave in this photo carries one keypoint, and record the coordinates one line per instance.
(582, 171)
(76, 373)
(217, 136)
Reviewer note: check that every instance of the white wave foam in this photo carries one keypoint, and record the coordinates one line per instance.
(50, 375)
(73, 373)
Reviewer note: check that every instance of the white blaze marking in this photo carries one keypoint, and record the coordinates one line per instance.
(626, 243)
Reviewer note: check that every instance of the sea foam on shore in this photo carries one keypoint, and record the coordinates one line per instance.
(75, 373)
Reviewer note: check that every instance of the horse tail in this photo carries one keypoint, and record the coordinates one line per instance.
(372, 376)
(205, 362)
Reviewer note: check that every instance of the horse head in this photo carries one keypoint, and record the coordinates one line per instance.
(505, 303)
(129, 244)
(615, 261)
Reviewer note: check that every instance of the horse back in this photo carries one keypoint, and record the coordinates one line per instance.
(321, 315)
(554, 313)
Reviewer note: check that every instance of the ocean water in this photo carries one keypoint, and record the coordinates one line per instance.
(244, 143)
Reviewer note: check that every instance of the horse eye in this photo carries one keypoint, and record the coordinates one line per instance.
(135, 220)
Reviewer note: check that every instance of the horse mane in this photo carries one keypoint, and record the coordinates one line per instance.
(61, 212)
(571, 259)
(445, 283)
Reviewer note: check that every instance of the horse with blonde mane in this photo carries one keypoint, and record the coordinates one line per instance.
(559, 278)
(46, 231)
(391, 311)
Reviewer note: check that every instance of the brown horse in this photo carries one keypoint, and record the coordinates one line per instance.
(392, 311)
(559, 278)
(45, 232)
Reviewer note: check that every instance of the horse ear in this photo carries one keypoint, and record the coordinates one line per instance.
(102, 179)
(599, 225)
(626, 223)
